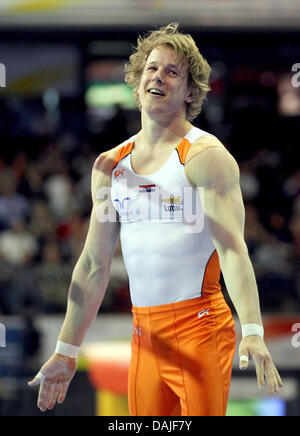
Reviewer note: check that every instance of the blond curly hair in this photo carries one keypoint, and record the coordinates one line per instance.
(184, 45)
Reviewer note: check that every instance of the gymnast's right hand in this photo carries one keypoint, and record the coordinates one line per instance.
(54, 379)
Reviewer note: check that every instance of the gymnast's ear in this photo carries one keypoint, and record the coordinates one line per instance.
(190, 96)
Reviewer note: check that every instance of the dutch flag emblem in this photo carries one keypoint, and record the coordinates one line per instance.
(146, 188)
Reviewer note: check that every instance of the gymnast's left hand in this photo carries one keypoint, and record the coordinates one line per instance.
(254, 347)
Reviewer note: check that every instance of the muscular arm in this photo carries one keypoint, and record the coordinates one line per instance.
(88, 285)
(215, 170)
(91, 273)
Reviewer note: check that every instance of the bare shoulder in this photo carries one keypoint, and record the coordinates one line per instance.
(202, 144)
(211, 164)
(102, 169)
(105, 161)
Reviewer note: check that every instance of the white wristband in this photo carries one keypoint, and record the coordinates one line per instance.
(252, 329)
(67, 349)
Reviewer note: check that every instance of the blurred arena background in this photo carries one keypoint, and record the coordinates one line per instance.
(62, 102)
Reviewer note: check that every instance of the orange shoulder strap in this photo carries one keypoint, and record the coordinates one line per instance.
(182, 150)
(123, 152)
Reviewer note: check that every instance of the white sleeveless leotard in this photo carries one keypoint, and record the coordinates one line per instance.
(167, 247)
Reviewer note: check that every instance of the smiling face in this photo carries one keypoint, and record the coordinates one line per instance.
(164, 83)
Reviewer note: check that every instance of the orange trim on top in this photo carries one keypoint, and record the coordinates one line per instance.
(212, 276)
(183, 149)
(123, 152)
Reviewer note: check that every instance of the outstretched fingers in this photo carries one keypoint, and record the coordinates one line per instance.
(54, 395)
(63, 392)
(272, 376)
(51, 393)
(45, 394)
(267, 373)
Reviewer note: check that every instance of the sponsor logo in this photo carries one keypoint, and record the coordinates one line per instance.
(119, 173)
(138, 331)
(121, 202)
(203, 312)
(175, 203)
